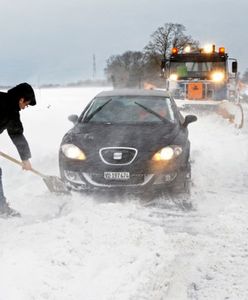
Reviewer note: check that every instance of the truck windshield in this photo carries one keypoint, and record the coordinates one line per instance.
(201, 70)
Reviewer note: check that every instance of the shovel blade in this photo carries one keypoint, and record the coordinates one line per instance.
(56, 185)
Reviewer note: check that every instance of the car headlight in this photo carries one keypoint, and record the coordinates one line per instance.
(73, 152)
(167, 153)
(218, 76)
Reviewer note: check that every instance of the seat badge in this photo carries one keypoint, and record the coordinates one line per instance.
(117, 155)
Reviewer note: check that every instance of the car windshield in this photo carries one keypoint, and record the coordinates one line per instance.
(130, 110)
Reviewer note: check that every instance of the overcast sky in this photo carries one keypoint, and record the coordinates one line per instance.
(54, 40)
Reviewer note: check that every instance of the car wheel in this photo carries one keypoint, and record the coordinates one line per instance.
(182, 184)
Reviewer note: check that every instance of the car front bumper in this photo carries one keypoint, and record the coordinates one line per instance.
(83, 181)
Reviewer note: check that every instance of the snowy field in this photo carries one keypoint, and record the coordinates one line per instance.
(77, 247)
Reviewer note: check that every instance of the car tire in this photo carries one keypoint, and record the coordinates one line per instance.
(182, 184)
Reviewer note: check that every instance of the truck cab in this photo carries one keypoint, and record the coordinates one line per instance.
(200, 74)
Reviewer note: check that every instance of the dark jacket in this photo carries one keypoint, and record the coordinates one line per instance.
(10, 116)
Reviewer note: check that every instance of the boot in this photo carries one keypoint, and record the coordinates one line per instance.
(8, 212)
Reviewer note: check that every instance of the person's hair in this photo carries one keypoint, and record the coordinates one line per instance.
(24, 90)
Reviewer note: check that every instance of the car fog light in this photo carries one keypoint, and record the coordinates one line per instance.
(165, 178)
(73, 177)
(170, 177)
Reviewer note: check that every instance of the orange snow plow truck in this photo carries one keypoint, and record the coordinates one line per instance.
(200, 80)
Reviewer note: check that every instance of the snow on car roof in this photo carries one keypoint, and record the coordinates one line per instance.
(133, 92)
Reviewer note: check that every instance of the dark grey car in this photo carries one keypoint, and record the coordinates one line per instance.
(135, 140)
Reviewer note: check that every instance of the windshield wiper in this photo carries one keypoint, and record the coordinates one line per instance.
(90, 116)
(164, 120)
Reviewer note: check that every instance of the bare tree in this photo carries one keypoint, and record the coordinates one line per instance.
(165, 38)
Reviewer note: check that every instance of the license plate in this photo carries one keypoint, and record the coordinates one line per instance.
(116, 175)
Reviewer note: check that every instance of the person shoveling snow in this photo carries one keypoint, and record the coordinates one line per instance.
(11, 102)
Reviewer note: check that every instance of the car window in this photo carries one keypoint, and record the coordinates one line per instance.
(130, 110)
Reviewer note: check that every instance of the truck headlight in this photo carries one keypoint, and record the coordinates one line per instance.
(173, 76)
(73, 152)
(167, 153)
(218, 76)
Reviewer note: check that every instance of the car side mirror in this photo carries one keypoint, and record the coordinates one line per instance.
(73, 118)
(189, 119)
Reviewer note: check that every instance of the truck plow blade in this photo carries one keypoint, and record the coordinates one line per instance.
(231, 111)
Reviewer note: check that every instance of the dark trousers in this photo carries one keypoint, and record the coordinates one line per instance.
(2, 198)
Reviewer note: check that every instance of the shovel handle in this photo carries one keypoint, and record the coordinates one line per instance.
(20, 163)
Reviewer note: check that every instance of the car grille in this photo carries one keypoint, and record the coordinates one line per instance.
(118, 155)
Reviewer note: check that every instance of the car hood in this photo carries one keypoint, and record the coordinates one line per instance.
(140, 137)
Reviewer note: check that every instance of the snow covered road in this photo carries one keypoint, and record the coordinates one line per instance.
(91, 248)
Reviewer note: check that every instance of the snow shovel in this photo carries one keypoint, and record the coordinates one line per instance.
(53, 183)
